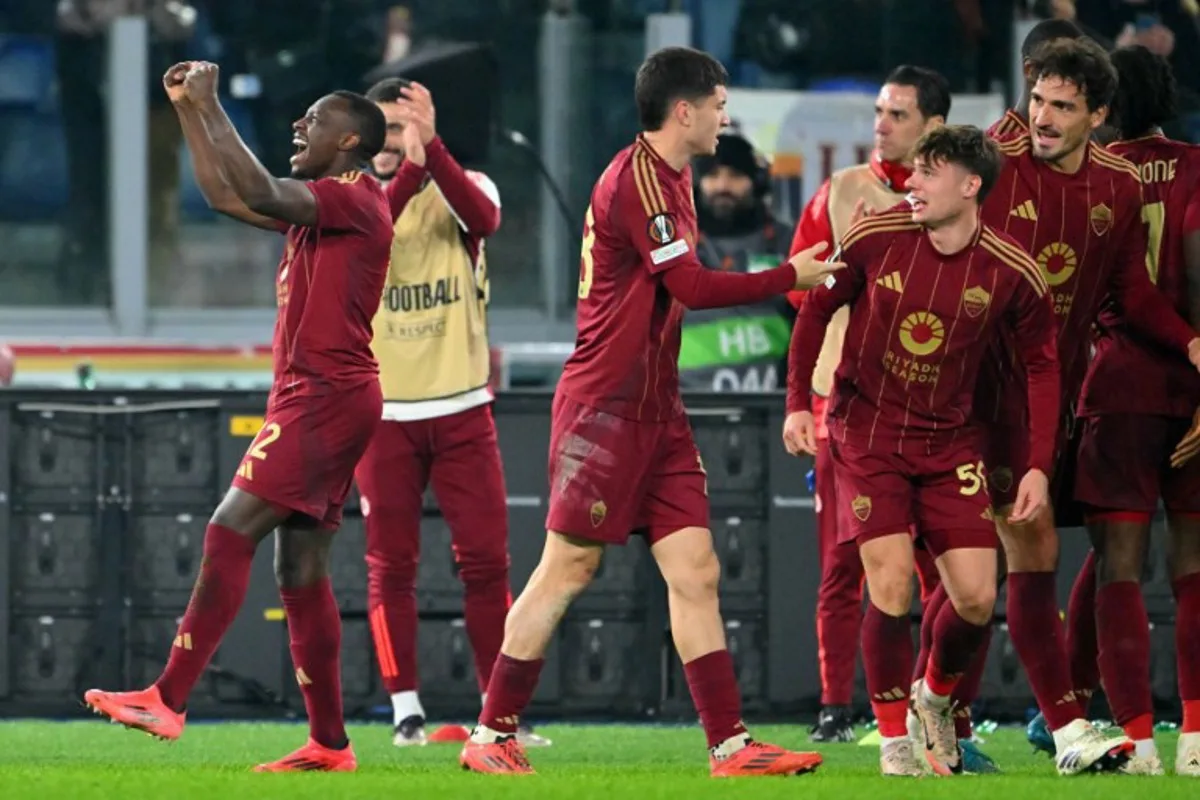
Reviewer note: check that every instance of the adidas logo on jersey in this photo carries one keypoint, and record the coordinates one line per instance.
(891, 281)
(1025, 211)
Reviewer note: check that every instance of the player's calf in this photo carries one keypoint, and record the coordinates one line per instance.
(566, 568)
(1120, 540)
(959, 631)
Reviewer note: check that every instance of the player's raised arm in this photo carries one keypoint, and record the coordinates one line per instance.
(472, 197)
(217, 191)
(1145, 308)
(288, 201)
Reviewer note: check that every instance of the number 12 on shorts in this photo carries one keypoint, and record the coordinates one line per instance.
(258, 449)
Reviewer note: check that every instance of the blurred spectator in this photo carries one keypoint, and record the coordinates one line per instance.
(742, 349)
(1170, 28)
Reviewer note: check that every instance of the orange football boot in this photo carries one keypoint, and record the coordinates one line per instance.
(757, 758)
(142, 710)
(505, 757)
(314, 757)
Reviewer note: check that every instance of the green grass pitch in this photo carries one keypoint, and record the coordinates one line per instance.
(93, 759)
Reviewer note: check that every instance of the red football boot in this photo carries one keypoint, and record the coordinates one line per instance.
(757, 758)
(313, 757)
(142, 710)
(505, 757)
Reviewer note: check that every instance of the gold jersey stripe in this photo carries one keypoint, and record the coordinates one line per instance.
(646, 180)
(1111, 160)
(1016, 258)
(881, 223)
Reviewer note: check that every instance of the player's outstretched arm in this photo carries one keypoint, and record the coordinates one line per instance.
(282, 199)
(1033, 324)
(812, 227)
(217, 191)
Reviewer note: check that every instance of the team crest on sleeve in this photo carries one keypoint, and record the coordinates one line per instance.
(1101, 219)
(661, 229)
(975, 301)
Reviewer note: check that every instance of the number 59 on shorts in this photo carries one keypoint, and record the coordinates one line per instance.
(973, 479)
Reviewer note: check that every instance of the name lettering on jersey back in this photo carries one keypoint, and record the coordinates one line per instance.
(1158, 170)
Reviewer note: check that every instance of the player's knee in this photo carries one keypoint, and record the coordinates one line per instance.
(890, 588)
(696, 580)
(567, 564)
(1030, 548)
(480, 567)
(1118, 567)
(976, 603)
(296, 567)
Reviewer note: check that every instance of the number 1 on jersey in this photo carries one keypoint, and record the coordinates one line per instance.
(1154, 215)
(585, 255)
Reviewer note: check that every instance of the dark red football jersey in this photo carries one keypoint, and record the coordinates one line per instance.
(1130, 375)
(328, 287)
(920, 324)
(638, 273)
(1011, 124)
(1086, 234)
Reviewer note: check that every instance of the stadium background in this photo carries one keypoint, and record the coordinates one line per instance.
(140, 321)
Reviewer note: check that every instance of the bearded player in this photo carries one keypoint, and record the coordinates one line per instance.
(1016, 120)
(323, 407)
(1137, 405)
(1078, 209)
(622, 458)
(432, 345)
(928, 288)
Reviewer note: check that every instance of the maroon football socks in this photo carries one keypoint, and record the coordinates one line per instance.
(1187, 648)
(509, 692)
(315, 633)
(1082, 647)
(955, 644)
(1037, 637)
(714, 689)
(218, 594)
(887, 660)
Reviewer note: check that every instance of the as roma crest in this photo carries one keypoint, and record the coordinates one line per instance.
(598, 512)
(861, 506)
(1101, 219)
(976, 300)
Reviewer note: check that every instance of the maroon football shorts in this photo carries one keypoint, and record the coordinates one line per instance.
(944, 497)
(1124, 465)
(1006, 454)
(303, 458)
(611, 477)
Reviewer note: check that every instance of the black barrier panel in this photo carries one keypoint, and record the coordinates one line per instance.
(104, 498)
